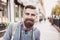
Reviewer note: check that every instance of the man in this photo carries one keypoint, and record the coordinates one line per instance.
(25, 30)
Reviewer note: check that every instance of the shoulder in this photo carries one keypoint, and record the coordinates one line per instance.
(36, 30)
(16, 25)
(36, 33)
(10, 25)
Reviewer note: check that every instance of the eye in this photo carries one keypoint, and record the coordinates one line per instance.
(27, 13)
(32, 14)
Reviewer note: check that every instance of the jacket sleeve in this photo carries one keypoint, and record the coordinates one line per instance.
(37, 35)
(8, 34)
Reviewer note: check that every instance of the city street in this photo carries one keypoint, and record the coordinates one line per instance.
(12, 11)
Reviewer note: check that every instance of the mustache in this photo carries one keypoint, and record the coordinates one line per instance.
(29, 19)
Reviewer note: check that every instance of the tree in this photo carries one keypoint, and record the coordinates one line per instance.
(56, 10)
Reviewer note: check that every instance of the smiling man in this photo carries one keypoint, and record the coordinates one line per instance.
(25, 30)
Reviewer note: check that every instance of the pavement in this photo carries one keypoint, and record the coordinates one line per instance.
(47, 31)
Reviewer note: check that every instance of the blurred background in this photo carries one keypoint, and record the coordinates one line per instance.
(48, 10)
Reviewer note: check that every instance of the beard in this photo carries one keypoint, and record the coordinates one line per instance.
(29, 23)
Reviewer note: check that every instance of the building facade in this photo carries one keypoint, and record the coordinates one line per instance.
(10, 12)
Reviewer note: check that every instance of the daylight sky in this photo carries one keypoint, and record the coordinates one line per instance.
(48, 5)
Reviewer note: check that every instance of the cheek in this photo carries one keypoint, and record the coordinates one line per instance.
(24, 17)
(35, 18)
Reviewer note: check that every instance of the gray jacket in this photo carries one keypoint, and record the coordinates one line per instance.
(31, 35)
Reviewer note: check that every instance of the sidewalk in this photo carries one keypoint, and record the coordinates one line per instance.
(48, 32)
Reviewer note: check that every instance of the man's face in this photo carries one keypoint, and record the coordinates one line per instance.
(29, 17)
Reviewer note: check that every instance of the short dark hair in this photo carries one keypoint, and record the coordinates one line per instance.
(30, 6)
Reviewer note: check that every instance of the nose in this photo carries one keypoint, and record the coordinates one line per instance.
(30, 16)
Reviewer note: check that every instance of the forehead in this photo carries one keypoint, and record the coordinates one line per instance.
(28, 10)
